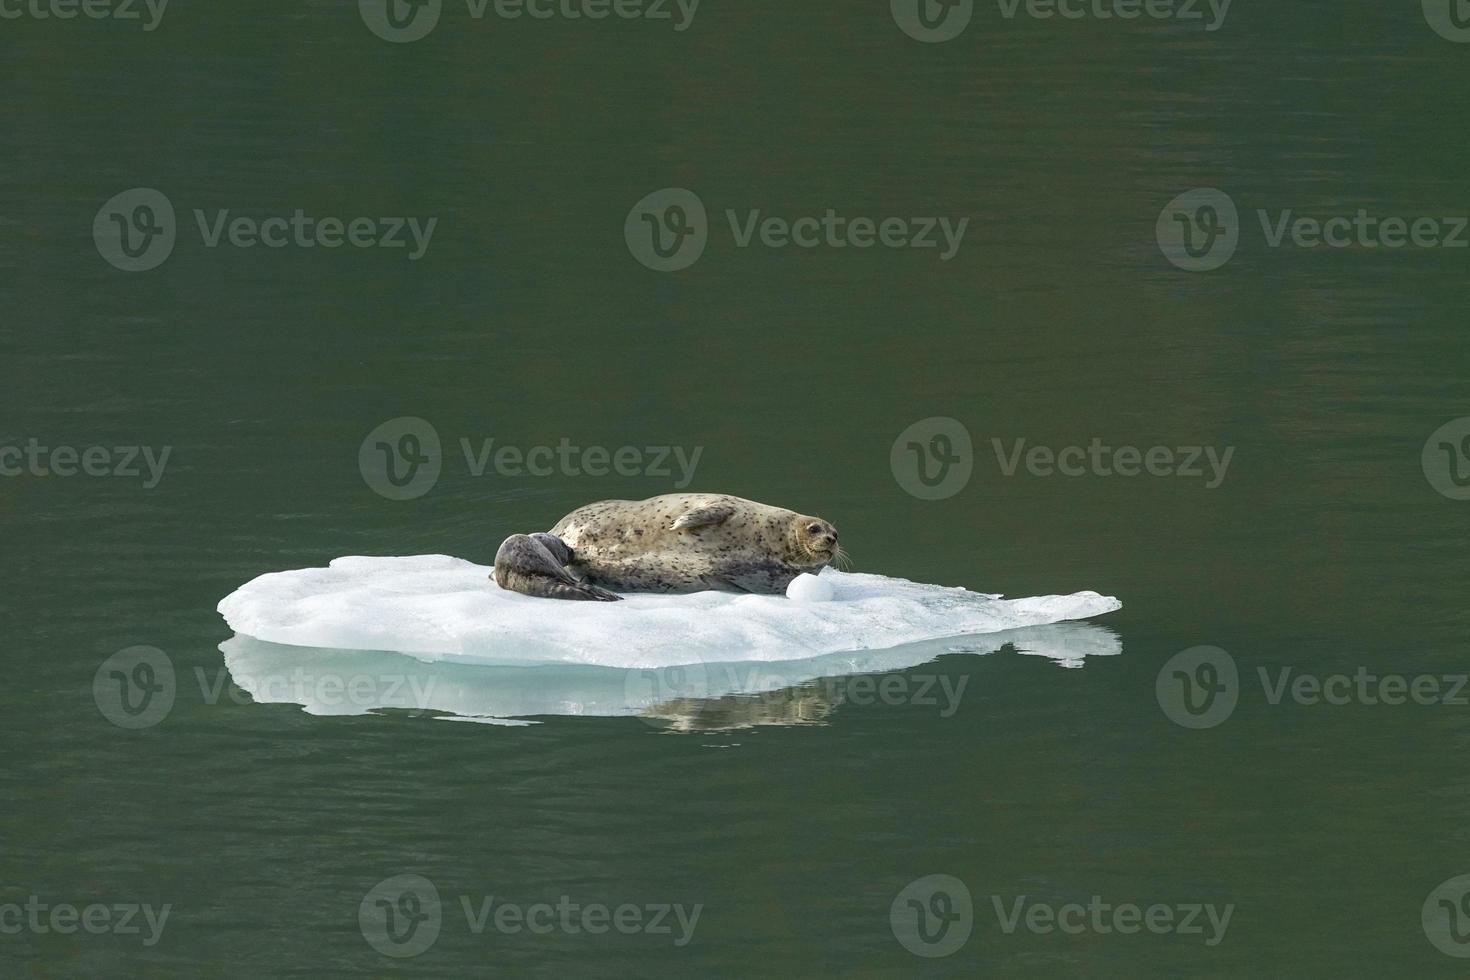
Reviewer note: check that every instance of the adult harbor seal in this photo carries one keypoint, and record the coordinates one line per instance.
(680, 542)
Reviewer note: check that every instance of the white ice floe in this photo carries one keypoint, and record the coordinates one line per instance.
(438, 608)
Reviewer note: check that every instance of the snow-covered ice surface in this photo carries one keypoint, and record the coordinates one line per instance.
(441, 609)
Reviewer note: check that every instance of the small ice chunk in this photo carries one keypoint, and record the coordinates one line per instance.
(809, 588)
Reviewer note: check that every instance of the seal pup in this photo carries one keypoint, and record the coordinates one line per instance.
(676, 543)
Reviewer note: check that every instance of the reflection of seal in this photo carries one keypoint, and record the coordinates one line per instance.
(806, 704)
(680, 542)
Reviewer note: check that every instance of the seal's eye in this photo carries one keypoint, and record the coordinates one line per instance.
(814, 529)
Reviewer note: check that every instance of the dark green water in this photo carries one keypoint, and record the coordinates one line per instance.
(1058, 320)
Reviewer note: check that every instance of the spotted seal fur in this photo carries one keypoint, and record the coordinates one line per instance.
(676, 543)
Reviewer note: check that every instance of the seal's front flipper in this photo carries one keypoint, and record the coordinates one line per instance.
(703, 517)
(535, 565)
(758, 579)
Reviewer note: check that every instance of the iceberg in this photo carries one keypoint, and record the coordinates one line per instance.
(436, 608)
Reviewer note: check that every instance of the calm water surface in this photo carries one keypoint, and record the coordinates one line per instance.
(1325, 549)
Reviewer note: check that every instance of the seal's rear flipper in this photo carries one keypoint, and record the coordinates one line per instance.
(535, 565)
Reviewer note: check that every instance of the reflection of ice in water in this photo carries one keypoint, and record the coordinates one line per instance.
(700, 696)
(1069, 644)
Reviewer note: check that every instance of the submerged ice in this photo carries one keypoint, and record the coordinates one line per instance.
(438, 608)
(702, 696)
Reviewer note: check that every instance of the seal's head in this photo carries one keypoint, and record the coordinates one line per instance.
(813, 542)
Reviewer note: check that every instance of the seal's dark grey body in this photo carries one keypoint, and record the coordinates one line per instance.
(682, 542)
